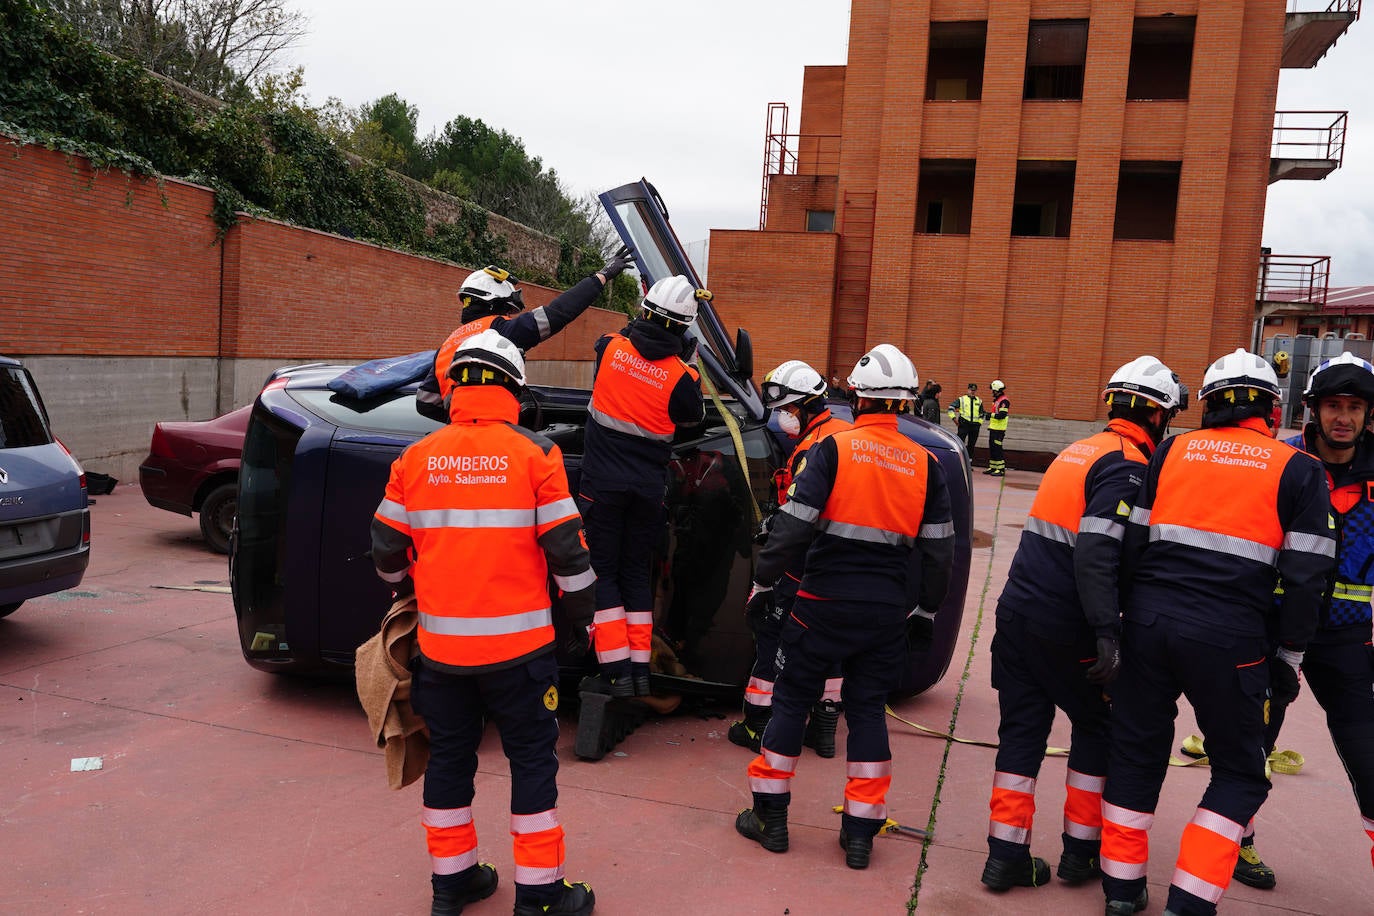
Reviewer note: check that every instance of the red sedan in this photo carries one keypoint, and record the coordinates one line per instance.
(193, 466)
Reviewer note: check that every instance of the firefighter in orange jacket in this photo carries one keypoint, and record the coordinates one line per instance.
(645, 388)
(491, 299)
(1059, 628)
(796, 394)
(476, 517)
(1224, 513)
(871, 513)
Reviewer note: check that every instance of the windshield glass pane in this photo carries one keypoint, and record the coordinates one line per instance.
(21, 421)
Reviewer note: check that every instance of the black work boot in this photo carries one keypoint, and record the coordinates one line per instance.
(573, 900)
(820, 728)
(480, 885)
(639, 677)
(1129, 907)
(1004, 874)
(765, 823)
(748, 732)
(1251, 870)
(1075, 867)
(857, 849)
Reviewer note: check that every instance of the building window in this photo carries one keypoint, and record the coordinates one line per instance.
(1161, 57)
(1043, 199)
(1055, 53)
(1307, 329)
(820, 220)
(954, 68)
(1146, 200)
(944, 196)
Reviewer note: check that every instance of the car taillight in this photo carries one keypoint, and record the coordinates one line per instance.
(77, 464)
(275, 383)
(160, 448)
(86, 529)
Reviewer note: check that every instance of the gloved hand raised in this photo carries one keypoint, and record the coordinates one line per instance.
(920, 628)
(1283, 676)
(622, 259)
(1108, 664)
(689, 349)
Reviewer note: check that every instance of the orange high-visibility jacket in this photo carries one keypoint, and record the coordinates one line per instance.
(1223, 514)
(631, 393)
(1064, 575)
(871, 511)
(478, 514)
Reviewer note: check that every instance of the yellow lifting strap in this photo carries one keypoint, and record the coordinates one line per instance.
(733, 425)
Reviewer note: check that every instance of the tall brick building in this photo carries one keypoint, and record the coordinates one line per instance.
(1032, 190)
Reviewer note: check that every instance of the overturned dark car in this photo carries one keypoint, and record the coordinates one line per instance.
(315, 464)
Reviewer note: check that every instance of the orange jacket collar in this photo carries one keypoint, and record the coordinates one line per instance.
(478, 403)
(1133, 433)
(876, 419)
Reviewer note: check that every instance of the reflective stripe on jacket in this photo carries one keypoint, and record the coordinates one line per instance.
(1064, 573)
(1222, 510)
(1345, 614)
(822, 426)
(967, 408)
(479, 514)
(631, 393)
(871, 512)
(1001, 409)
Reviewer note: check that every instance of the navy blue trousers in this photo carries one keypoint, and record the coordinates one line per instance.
(868, 644)
(1226, 679)
(1034, 675)
(517, 700)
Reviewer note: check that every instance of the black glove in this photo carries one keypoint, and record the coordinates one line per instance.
(689, 349)
(622, 259)
(1108, 664)
(1283, 676)
(920, 629)
(577, 643)
(759, 604)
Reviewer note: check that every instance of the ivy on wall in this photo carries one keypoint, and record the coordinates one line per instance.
(61, 92)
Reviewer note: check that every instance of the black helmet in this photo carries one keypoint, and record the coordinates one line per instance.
(1346, 374)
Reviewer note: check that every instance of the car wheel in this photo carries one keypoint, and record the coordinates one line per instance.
(217, 516)
(8, 609)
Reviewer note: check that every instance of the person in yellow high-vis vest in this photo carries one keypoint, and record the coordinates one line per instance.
(967, 412)
(997, 429)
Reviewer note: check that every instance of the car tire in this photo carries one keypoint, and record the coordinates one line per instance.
(8, 609)
(217, 516)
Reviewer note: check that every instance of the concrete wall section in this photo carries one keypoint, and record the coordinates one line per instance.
(103, 407)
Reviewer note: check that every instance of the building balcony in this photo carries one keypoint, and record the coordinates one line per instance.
(1307, 145)
(1313, 28)
(1292, 283)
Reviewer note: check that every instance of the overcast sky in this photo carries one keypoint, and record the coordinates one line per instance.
(607, 92)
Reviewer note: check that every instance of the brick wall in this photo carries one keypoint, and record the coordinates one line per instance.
(1050, 316)
(130, 310)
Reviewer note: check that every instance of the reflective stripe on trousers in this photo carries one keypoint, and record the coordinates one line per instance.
(639, 635)
(1012, 807)
(758, 692)
(1083, 805)
(451, 838)
(865, 788)
(771, 774)
(610, 636)
(1125, 841)
(1207, 855)
(539, 850)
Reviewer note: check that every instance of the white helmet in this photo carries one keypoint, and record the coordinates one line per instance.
(492, 351)
(1241, 369)
(885, 372)
(493, 286)
(997, 386)
(674, 299)
(1146, 377)
(793, 381)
